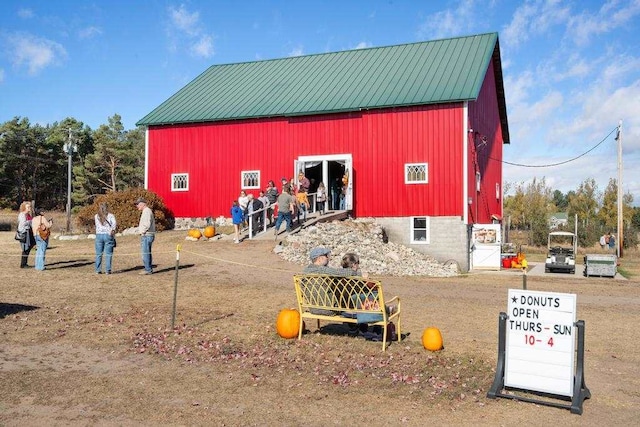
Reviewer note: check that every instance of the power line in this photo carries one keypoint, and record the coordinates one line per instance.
(559, 163)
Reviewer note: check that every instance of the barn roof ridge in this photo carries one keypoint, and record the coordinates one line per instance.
(409, 74)
(284, 58)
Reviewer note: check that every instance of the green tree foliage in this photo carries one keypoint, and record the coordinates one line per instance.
(560, 200)
(635, 217)
(115, 163)
(530, 208)
(584, 205)
(608, 213)
(30, 160)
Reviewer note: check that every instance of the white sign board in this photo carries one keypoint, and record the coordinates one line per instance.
(540, 345)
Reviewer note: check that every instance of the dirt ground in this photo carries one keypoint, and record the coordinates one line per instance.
(78, 348)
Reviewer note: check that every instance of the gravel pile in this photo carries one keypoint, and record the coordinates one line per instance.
(364, 237)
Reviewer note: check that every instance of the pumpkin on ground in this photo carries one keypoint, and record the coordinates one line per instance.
(209, 231)
(195, 233)
(287, 323)
(432, 339)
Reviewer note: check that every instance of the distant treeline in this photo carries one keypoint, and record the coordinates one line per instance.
(34, 161)
(530, 207)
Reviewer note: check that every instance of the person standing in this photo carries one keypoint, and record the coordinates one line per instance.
(24, 226)
(41, 228)
(237, 216)
(302, 202)
(303, 182)
(271, 194)
(105, 237)
(612, 242)
(243, 201)
(265, 203)
(147, 231)
(321, 198)
(336, 188)
(286, 205)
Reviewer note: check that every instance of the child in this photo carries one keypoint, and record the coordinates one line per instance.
(237, 216)
(303, 204)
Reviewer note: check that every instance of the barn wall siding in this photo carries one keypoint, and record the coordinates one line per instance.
(380, 142)
(486, 157)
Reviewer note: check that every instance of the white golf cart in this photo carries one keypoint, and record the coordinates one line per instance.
(561, 256)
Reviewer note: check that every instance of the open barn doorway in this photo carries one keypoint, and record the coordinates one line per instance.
(330, 170)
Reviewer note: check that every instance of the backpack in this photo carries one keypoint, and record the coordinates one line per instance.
(43, 231)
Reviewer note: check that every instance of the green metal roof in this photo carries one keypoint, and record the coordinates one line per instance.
(429, 72)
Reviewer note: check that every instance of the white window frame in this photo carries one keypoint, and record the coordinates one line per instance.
(427, 229)
(244, 174)
(176, 177)
(407, 166)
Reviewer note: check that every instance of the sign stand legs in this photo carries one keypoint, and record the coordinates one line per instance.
(580, 390)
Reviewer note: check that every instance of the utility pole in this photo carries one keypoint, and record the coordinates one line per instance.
(620, 217)
(69, 148)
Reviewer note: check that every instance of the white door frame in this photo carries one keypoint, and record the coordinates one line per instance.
(325, 159)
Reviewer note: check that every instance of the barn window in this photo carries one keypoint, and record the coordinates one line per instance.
(179, 182)
(416, 173)
(250, 179)
(420, 232)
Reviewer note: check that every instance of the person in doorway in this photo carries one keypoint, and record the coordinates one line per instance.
(336, 188)
(41, 228)
(303, 182)
(236, 217)
(286, 205)
(321, 198)
(147, 231)
(25, 215)
(105, 238)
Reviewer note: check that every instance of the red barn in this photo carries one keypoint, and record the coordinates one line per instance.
(418, 128)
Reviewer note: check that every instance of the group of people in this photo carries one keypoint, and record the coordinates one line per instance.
(320, 256)
(608, 241)
(34, 230)
(291, 200)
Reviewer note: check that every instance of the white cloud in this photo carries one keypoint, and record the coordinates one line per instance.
(203, 47)
(449, 22)
(1, 75)
(89, 32)
(534, 18)
(186, 29)
(185, 21)
(25, 13)
(296, 51)
(363, 45)
(34, 52)
(612, 15)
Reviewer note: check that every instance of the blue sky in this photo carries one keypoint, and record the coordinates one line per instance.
(571, 68)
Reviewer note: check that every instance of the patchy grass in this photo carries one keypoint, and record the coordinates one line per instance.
(81, 348)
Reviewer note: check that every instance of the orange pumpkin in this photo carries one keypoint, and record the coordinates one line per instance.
(209, 231)
(288, 323)
(432, 339)
(195, 233)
